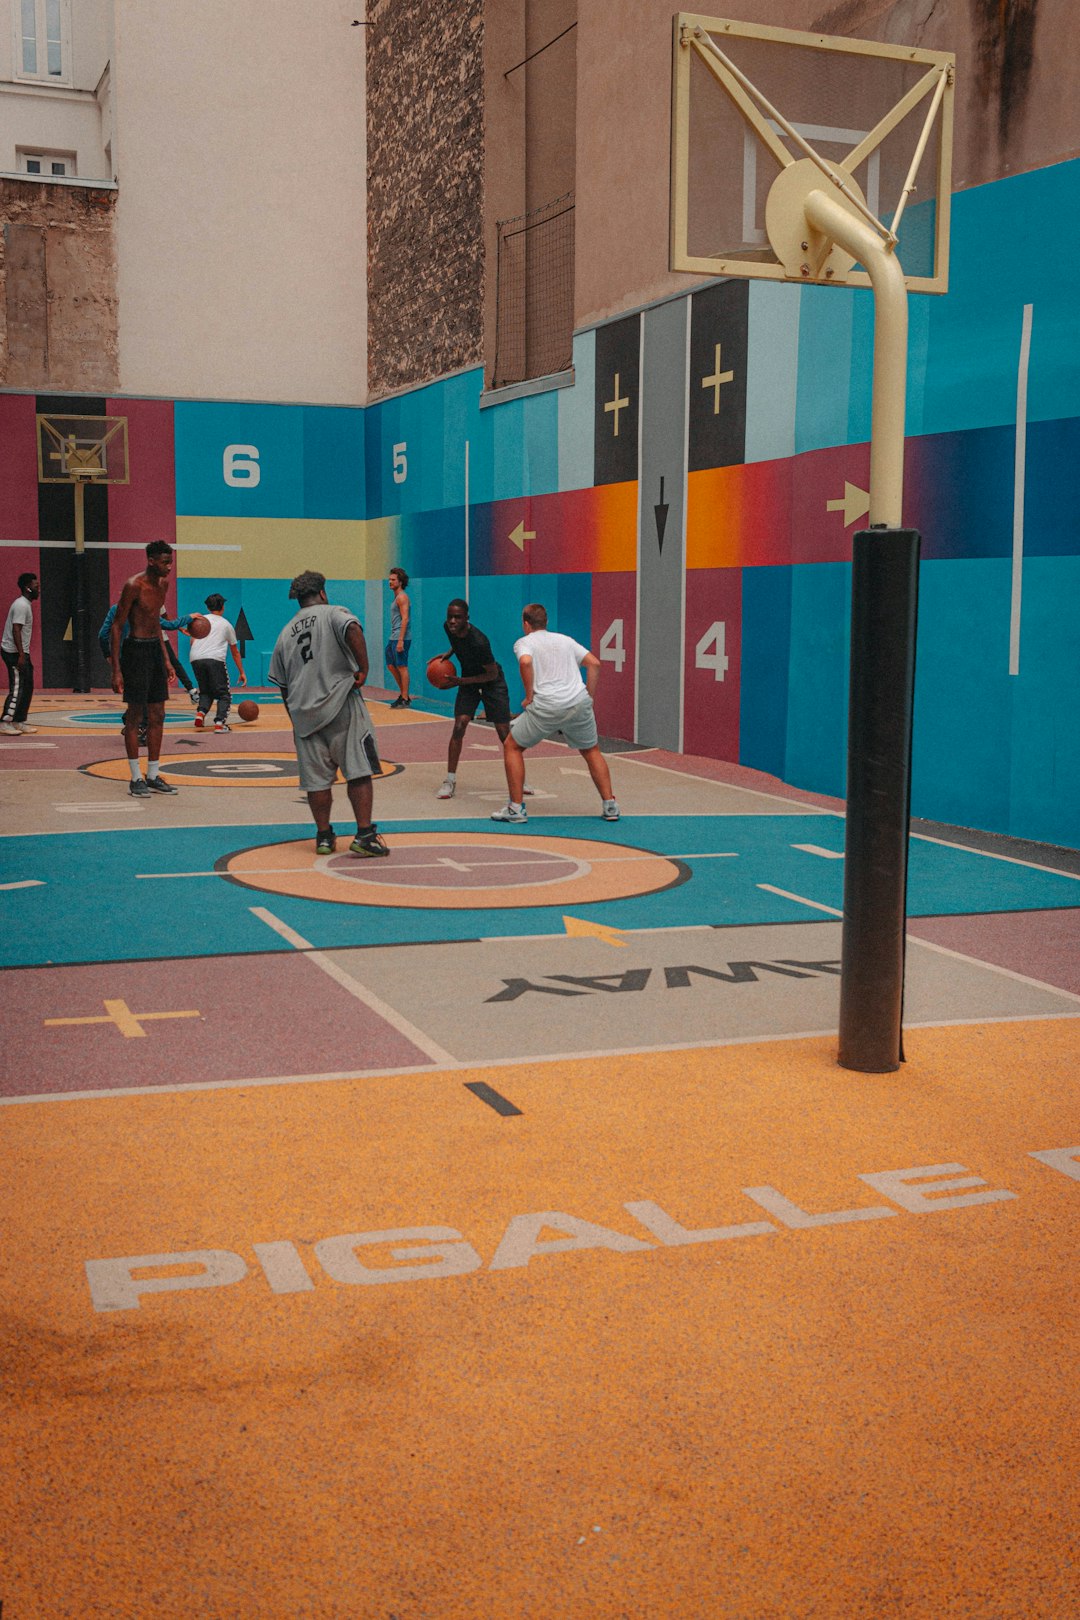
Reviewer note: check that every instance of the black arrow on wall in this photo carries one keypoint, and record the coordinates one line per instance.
(243, 633)
(661, 512)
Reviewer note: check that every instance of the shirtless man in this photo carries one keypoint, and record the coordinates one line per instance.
(139, 668)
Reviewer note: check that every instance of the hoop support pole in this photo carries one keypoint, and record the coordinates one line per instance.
(884, 607)
(80, 610)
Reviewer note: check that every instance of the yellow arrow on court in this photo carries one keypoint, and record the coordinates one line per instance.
(855, 504)
(521, 534)
(577, 929)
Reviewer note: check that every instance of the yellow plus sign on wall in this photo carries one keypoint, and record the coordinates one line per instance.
(616, 405)
(120, 1014)
(714, 382)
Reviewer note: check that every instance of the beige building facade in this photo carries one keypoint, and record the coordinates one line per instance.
(228, 258)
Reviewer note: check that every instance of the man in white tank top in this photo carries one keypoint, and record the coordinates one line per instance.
(556, 699)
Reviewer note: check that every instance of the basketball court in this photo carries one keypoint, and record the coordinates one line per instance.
(491, 1231)
(684, 1340)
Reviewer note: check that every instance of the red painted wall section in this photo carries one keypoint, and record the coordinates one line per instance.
(614, 618)
(713, 657)
(18, 483)
(821, 478)
(144, 509)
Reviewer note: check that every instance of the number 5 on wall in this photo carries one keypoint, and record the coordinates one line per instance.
(401, 464)
(709, 653)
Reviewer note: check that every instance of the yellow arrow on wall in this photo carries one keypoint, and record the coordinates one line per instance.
(855, 504)
(67, 632)
(521, 534)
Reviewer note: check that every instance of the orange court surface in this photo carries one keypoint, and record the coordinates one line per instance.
(493, 1234)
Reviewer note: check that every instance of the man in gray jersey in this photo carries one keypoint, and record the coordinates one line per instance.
(320, 663)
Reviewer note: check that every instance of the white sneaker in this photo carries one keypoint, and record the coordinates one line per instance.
(27, 731)
(9, 728)
(510, 812)
(447, 789)
(527, 792)
(610, 811)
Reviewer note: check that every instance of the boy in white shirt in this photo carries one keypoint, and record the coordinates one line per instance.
(18, 629)
(556, 699)
(209, 668)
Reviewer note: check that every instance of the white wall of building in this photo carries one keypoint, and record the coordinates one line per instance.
(67, 115)
(241, 216)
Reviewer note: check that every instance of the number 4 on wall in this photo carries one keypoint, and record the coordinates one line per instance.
(612, 650)
(710, 654)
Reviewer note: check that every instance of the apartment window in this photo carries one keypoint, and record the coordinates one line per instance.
(43, 45)
(57, 164)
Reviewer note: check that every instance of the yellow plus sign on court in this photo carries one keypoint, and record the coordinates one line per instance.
(120, 1014)
(616, 404)
(715, 381)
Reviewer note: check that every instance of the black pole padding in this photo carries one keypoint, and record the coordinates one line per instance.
(884, 613)
(80, 626)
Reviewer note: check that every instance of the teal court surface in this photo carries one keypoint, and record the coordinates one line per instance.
(708, 913)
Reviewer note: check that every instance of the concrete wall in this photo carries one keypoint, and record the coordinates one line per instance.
(425, 183)
(58, 301)
(241, 219)
(1017, 109)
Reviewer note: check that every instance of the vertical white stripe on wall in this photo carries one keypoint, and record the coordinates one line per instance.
(1019, 471)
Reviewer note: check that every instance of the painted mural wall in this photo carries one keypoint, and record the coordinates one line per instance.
(686, 508)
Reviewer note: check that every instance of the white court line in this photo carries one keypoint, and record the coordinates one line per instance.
(816, 849)
(102, 807)
(995, 967)
(993, 855)
(482, 1065)
(735, 787)
(800, 899)
(542, 858)
(368, 997)
(27, 883)
(1019, 474)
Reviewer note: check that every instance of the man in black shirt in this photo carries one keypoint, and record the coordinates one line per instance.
(481, 678)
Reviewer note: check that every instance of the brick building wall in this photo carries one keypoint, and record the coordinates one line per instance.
(425, 130)
(58, 299)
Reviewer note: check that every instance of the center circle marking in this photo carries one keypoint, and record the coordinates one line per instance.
(459, 871)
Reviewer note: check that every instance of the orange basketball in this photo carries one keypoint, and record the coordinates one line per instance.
(199, 626)
(248, 710)
(440, 673)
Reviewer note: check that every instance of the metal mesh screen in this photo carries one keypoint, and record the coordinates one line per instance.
(535, 293)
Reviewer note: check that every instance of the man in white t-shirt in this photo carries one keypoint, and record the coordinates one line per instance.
(209, 668)
(15, 645)
(556, 699)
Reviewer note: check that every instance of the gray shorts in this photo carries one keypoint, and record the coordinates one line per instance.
(577, 723)
(347, 745)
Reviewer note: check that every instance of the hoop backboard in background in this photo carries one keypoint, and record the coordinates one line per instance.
(82, 449)
(863, 107)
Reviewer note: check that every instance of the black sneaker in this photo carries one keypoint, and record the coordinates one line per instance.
(158, 784)
(139, 789)
(325, 842)
(368, 843)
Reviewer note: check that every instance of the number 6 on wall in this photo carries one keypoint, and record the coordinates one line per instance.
(240, 465)
(715, 659)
